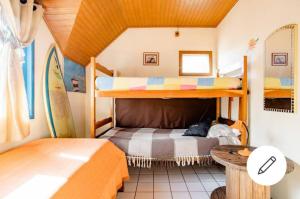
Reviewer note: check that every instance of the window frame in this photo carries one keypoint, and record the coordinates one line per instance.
(28, 74)
(209, 53)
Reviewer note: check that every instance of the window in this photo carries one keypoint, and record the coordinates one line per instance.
(28, 73)
(195, 63)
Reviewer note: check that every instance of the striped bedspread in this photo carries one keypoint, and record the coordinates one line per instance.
(278, 83)
(144, 145)
(166, 83)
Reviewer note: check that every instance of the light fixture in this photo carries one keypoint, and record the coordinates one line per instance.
(177, 33)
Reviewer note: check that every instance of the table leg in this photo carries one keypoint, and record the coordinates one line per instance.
(240, 186)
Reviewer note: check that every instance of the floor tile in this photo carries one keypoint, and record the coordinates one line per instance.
(133, 170)
(201, 170)
(162, 195)
(146, 171)
(123, 195)
(146, 178)
(206, 177)
(161, 178)
(199, 195)
(176, 178)
(181, 195)
(130, 187)
(215, 170)
(174, 170)
(185, 182)
(145, 187)
(195, 186)
(142, 195)
(160, 171)
(178, 186)
(219, 176)
(191, 178)
(161, 187)
(187, 167)
(221, 183)
(187, 170)
(210, 185)
(133, 178)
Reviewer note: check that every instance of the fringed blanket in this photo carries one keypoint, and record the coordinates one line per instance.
(146, 145)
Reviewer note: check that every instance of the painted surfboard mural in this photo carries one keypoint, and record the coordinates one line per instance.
(57, 105)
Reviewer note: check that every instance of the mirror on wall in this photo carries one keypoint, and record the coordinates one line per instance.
(280, 67)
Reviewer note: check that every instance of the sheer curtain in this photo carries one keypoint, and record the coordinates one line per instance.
(19, 20)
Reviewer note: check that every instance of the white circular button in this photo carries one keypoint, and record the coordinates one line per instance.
(266, 165)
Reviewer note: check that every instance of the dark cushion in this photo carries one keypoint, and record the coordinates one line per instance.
(200, 129)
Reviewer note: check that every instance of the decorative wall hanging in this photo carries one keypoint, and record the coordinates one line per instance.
(151, 58)
(280, 59)
(252, 43)
(74, 76)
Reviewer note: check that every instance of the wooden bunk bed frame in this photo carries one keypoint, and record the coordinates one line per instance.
(242, 94)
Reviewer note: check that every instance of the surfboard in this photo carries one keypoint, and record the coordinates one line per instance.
(57, 105)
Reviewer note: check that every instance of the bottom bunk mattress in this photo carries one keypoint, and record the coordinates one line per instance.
(145, 145)
(63, 168)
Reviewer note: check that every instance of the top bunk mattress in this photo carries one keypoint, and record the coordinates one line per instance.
(165, 83)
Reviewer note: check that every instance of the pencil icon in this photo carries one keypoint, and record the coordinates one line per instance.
(267, 165)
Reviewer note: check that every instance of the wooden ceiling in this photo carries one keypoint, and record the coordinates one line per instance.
(83, 28)
(60, 16)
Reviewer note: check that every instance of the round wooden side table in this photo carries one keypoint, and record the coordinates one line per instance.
(238, 183)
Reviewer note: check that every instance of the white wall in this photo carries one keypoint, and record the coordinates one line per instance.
(125, 54)
(259, 18)
(39, 126)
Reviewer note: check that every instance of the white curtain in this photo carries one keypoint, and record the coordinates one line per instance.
(19, 21)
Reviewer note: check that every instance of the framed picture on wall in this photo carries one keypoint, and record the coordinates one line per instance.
(279, 59)
(151, 58)
(74, 76)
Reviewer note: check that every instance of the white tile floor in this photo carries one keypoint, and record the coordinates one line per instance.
(174, 183)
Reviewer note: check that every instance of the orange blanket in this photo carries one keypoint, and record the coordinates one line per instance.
(63, 168)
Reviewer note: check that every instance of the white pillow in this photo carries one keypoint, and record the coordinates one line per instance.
(236, 132)
(220, 130)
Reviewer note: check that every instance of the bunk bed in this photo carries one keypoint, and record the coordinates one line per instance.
(124, 88)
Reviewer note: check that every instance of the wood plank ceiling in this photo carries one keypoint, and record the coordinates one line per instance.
(83, 28)
(60, 16)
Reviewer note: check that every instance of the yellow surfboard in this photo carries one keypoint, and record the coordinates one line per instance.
(57, 105)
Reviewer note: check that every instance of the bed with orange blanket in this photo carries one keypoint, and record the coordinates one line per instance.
(63, 168)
